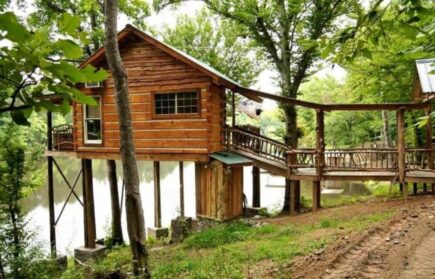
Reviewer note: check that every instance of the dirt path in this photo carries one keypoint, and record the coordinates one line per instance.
(403, 247)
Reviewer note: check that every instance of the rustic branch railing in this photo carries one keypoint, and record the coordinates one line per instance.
(255, 144)
(361, 159)
(63, 137)
(418, 158)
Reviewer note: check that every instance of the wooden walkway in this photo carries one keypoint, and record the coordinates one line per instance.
(368, 164)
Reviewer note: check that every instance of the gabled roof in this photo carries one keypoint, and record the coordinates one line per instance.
(129, 30)
(427, 80)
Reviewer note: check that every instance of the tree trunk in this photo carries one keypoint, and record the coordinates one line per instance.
(133, 202)
(2, 271)
(117, 237)
(386, 130)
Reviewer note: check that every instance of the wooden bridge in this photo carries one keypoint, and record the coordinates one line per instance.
(380, 164)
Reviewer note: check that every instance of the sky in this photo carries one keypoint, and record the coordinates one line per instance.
(167, 16)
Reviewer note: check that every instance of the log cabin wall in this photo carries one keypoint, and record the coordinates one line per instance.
(177, 137)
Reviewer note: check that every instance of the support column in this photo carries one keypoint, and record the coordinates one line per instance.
(316, 195)
(233, 109)
(256, 187)
(157, 198)
(88, 203)
(405, 190)
(295, 196)
(51, 212)
(429, 144)
(401, 143)
(181, 170)
(415, 189)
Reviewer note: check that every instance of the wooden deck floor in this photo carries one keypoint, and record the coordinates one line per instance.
(422, 176)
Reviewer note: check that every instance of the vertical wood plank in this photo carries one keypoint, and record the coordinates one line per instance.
(429, 139)
(197, 187)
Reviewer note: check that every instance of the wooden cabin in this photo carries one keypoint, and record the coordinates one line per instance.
(424, 82)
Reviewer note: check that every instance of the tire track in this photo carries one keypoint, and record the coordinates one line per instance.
(422, 263)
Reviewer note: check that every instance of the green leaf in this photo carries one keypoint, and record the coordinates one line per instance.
(15, 31)
(19, 117)
(68, 23)
(367, 53)
(93, 75)
(70, 49)
(82, 98)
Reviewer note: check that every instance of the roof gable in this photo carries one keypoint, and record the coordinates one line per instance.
(217, 77)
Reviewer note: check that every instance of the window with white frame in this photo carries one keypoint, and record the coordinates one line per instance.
(92, 122)
(176, 103)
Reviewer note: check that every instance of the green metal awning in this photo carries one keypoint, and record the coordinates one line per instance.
(230, 158)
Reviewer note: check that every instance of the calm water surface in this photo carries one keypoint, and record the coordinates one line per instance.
(69, 230)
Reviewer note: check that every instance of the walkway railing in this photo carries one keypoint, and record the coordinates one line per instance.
(256, 145)
(346, 159)
(63, 137)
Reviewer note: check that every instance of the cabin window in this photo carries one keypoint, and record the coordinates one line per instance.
(94, 84)
(92, 122)
(176, 103)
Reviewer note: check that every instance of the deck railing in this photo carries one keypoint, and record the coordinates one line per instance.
(63, 137)
(255, 144)
(419, 159)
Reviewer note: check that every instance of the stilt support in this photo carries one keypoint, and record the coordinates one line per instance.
(415, 189)
(404, 186)
(52, 218)
(425, 188)
(157, 199)
(316, 195)
(181, 170)
(255, 187)
(295, 196)
(88, 202)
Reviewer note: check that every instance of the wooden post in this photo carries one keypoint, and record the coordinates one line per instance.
(425, 188)
(157, 199)
(233, 110)
(88, 204)
(198, 167)
(429, 146)
(320, 143)
(415, 189)
(405, 190)
(294, 197)
(181, 170)
(51, 211)
(316, 196)
(401, 188)
(401, 143)
(255, 187)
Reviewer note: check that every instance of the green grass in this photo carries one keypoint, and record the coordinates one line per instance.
(230, 250)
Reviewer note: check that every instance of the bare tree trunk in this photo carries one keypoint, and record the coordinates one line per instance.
(386, 129)
(133, 202)
(117, 237)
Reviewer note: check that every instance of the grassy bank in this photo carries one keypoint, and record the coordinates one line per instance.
(233, 250)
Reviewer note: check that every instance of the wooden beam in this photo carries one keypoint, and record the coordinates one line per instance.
(401, 143)
(157, 196)
(256, 187)
(88, 202)
(316, 195)
(381, 106)
(233, 109)
(250, 93)
(181, 170)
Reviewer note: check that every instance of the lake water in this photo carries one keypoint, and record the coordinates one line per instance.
(69, 230)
